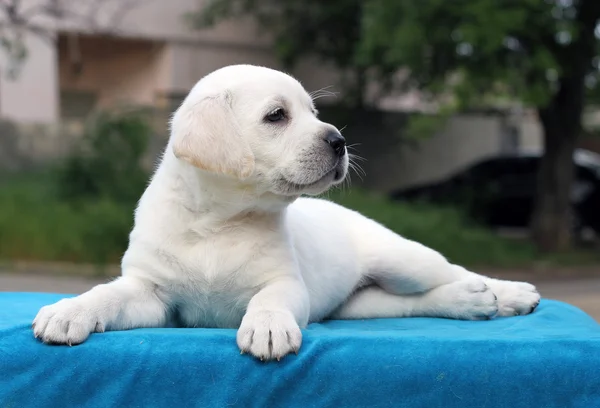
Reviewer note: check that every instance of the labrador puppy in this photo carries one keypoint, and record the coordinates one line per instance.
(222, 237)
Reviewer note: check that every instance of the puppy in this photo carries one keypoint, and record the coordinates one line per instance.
(223, 239)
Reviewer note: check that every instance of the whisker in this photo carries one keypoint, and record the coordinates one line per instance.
(324, 89)
(356, 157)
(314, 98)
(348, 181)
(323, 92)
(358, 170)
(354, 149)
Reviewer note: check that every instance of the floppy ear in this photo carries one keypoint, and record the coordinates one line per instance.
(207, 135)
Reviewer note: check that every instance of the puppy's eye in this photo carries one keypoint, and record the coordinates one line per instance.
(275, 116)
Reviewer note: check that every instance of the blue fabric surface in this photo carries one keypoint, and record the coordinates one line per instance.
(548, 359)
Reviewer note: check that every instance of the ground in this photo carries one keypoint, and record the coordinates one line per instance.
(583, 293)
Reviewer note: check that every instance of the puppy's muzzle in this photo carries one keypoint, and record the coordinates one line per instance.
(337, 143)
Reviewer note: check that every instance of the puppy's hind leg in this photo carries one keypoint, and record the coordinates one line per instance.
(414, 280)
(125, 303)
(468, 299)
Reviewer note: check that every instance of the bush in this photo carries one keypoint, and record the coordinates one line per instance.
(107, 164)
(82, 211)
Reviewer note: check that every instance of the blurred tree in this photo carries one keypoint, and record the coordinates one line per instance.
(543, 54)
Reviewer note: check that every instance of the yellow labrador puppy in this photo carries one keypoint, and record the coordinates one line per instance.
(222, 239)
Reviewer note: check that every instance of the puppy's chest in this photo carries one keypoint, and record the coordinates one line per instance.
(216, 303)
(215, 283)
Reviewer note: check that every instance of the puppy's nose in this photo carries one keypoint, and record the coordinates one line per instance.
(337, 142)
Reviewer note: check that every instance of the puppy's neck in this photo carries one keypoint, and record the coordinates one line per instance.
(221, 199)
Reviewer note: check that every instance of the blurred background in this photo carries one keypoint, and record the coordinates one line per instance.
(474, 124)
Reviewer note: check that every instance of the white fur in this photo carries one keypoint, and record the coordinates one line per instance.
(221, 238)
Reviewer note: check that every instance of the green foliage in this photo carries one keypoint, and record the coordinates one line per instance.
(108, 162)
(483, 44)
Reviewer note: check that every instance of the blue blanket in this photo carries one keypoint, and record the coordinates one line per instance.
(548, 359)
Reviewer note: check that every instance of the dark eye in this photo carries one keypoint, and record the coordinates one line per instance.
(275, 116)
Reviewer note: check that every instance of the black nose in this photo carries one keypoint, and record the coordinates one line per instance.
(337, 142)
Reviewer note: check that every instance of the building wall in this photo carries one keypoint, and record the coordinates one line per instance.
(33, 95)
(164, 20)
(146, 19)
(531, 134)
(191, 61)
(115, 70)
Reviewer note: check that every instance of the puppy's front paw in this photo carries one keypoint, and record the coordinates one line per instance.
(467, 299)
(67, 321)
(269, 335)
(514, 298)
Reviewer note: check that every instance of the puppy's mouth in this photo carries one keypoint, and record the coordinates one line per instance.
(333, 176)
(339, 175)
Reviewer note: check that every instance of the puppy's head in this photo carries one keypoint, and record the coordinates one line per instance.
(260, 126)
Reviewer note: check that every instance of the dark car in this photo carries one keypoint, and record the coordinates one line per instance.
(500, 191)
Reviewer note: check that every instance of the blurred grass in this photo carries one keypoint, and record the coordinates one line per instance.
(37, 225)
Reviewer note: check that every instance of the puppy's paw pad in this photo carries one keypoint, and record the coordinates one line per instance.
(65, 322)
(269, 335)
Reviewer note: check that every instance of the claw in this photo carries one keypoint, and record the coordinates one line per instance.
(278, 358)
(241, 351)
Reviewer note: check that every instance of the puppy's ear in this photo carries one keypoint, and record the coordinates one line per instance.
(207, 135)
